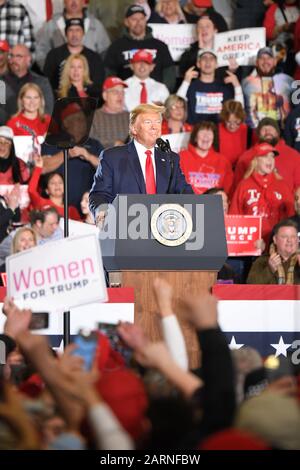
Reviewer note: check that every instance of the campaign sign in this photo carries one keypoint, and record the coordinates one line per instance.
(178, 37)
(178, 141)
(242, 231)
(58, 275)
(240, 44)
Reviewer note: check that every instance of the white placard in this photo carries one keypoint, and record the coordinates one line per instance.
(58, 275)
(178, 37)
(24, 146)
(24, 198)
(178, 141)
(241, 44)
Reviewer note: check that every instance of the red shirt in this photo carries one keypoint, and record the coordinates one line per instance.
(287, 164)
(212, 171)
(38, 127)
(39, 202)
(233, 144)
(266, 196)
(7, 176)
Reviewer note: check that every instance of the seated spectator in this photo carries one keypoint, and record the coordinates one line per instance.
(4, 48)
(193, 9)
(20, 73)
(138, 36)
(141, 88)
(24, 239)
(175, 116)
(267, 93)
(52, 33)
(111, 121)
(46, 225)
(281, 264)
(12, 169)
(54, 191)
(206, 94)
(56, 57)
(202, 166)
(287, 162)
(167, 11)
(262, 192)
(84, 205)
(16, 26)
(234, 136)
(30, 118)
(75, 79)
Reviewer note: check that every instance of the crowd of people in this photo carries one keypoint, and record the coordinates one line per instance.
(243, 128)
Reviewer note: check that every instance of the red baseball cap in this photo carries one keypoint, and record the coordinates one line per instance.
(264, 148)
(4, 46)
(142, 55)
(202, 3)
(111, 82)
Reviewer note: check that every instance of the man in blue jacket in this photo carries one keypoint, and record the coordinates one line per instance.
(138, 167)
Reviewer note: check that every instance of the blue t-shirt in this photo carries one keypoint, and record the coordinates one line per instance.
(205, 100)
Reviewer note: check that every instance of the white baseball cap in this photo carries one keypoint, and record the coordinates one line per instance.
(6, 132)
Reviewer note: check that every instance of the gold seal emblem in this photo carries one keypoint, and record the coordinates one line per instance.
(171, 224)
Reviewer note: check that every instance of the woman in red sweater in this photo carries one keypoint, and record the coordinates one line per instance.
(30, 118)
(262, 192)
(175, 116)
(54, 190)
(234, 136)
(203, 167)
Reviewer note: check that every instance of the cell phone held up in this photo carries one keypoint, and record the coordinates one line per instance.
(86, 344)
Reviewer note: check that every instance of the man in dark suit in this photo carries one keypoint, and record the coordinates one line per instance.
(138, 167)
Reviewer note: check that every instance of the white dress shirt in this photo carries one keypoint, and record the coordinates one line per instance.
(156, 91)
(143, 157)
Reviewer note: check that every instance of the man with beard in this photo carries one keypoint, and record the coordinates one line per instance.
(287, 162)
(267, 94)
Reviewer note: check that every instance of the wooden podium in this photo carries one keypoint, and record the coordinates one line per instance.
(134, 257)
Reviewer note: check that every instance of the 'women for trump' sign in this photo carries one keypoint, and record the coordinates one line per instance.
(58, 275)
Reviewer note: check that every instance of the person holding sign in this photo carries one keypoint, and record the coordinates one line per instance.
(263, 192)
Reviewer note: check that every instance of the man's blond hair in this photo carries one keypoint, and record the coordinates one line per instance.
(142, 109)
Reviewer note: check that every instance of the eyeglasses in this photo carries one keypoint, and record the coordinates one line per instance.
(234, 123)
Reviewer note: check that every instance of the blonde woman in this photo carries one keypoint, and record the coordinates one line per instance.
(75, 79)
(30, 118)
(262, 192)
(167, 11)
(24, 239)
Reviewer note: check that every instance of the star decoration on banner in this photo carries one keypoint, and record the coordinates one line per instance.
(234, 345)
(281, 347)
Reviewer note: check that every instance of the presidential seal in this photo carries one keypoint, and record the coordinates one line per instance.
(171, 225)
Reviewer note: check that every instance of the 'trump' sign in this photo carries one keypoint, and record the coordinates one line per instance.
(58, 275)
(242, 231)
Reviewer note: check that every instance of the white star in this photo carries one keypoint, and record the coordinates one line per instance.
(281, 347)
(233, 345)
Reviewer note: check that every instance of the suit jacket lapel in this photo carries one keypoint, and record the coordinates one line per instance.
(136, 167)
(162, 172)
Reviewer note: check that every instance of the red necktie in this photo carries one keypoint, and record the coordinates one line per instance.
(143, 97)
(150, 178)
